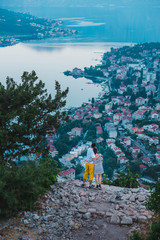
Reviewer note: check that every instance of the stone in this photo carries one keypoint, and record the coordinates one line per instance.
(135, 190)
(127, 221)
(108, 214)
(141, 198)
(68, 207)
(115, 219)
(87, 215)
(117, 207)
(112, 199)
(91, 199)
(20, 238)
(95, 227)
(92, 210)
(82, 210)
(82, 199)
(26, 222)
(36, 217)
(83, 194)
(77, 200)
(71, 224)
(142, 219)
(132, 199)
(101, 213)
(48, 217)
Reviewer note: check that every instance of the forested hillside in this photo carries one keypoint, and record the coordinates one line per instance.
(14, 23)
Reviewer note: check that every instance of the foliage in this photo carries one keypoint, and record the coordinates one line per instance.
(101, 108)
(116, 82)
(150, 147)
(134, 167)
(154, 199)
(20, 186)
(133, 108)
(78, 169)
(106, 180)
(64, 145)
(73, 161)
(154, 231)
(136, 236)
(93, 72)
(126, 179)
(152, 172)
(24, 27)
(26, 113)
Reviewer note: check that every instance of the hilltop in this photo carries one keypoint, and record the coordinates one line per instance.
(69, 211)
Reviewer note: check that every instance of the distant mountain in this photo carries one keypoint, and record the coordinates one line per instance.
(13, 23)
(75, 3)
(16, 27)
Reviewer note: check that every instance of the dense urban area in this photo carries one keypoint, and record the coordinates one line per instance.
(123, 121)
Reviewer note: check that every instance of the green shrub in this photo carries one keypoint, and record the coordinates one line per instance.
(155, 231)
(106, 180)
(20, 186)
(126, 179)
(136, 236)
(154, 200)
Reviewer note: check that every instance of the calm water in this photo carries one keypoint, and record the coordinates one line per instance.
(50, 60)
(100, 23)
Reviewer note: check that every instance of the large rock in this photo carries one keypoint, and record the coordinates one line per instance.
(126, 220)
(141, 198)
(142, 219)
(115, 219)
(112, 199)
(82, 210)
(87, 215)
(83, 194)
(92, 210)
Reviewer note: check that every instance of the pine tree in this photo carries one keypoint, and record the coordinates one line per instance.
(27, 111)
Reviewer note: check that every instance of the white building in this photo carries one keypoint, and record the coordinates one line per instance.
(76, 131)
(112, 132)
(97, 115)
(108, 106)
(141, 101)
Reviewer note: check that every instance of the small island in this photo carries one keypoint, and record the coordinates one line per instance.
(18, 27)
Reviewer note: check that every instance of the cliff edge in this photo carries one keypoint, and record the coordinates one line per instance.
(71, 212)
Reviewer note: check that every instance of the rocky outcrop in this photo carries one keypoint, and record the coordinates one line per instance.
(68, 208)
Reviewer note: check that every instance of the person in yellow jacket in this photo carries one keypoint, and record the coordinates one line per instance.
(89, 165)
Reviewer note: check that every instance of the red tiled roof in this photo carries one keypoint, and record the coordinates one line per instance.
(142, 166)
(142, 185)
(146, 159)
(98, 113)
(66, 172)
(154, 112)
(78, 129)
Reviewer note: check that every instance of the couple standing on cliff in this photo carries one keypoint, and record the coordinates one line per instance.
(93, 166)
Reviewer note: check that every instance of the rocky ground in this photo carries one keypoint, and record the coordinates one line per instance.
(71, 212)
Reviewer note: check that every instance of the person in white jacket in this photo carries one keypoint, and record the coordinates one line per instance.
(89, 165)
